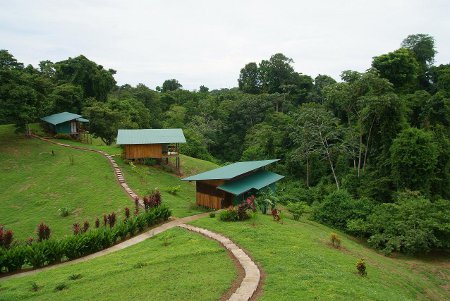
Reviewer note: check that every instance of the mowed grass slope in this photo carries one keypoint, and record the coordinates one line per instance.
(144, 179)
(175, 265)
(300, 264)
(35, 184)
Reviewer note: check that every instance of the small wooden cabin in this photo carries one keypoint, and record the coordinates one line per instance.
(65, 123)
(151, 143)
(231, 184)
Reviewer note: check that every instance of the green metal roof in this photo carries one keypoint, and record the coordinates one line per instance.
(257, 181)
(60, 118)
(150, 136)
(82, 119)
(230, 171)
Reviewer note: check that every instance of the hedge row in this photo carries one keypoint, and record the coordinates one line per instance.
(39, 254)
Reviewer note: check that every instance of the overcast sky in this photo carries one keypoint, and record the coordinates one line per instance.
(208, 42)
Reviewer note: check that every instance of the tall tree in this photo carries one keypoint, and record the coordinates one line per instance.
(94, 79)
(422, 45)
(316, 130)
(414, 157)
(249, 79)
(400, 67)
(170, 85)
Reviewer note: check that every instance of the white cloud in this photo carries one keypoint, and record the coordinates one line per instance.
(208, 42)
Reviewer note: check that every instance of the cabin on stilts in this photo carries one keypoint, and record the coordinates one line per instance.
(65, 123)
(159, 144)
(232, 184)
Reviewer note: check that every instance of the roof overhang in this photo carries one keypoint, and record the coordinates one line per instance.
(257, 180)
(230, 171)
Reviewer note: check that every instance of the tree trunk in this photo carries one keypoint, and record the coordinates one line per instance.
(332, 170)
(360, 151)
(307, 171)
(367, 144)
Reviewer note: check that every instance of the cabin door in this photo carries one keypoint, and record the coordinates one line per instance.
(73, 127)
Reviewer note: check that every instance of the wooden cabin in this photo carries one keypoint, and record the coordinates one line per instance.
(231, 184)
(158, 144)
(65, 123)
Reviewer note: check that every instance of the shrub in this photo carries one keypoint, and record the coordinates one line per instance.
(105, 220)
(127, 212)
(140, 222)
(13, 258)
(60, 287)
(34, 287)
(338, 208)
(45, 252)
(297, 209)
(43, 232)
(35, 255)
(139, 265)
(53, 250)
(63, 212)
(97, 223)
(276, 214)
(75, 276)
(212, 214)
(153, 200)
(264, 205)
(6, 237)
(85, 226)
(335, 240)
(76, 229)
(111, 219)
(361, 267)
(173, 189)
(411, 225)
(229, 215)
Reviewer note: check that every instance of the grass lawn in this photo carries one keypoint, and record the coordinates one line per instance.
(143, 179)
(35, 184)
(175, 265)
(300, 265)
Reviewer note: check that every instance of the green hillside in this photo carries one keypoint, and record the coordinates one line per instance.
(300, 264)
(37, 184)
(176, 265)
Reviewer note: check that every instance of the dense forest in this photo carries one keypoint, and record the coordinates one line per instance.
(369, 153)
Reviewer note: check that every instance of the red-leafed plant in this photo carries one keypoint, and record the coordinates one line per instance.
(276, 214)
(127, 212)
(105, 220)
(97, 223)
(156, 198)
(153, 200)
(29, 241)
(6, 237)
(43, 232)
(76, 229)
(112, 219)
(136, 202)
(85, 226)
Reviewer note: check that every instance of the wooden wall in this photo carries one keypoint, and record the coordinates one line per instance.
(139, 151)
(209, 196)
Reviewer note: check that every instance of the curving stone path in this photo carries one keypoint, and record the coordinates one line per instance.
(247, 287)
(252, 276)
